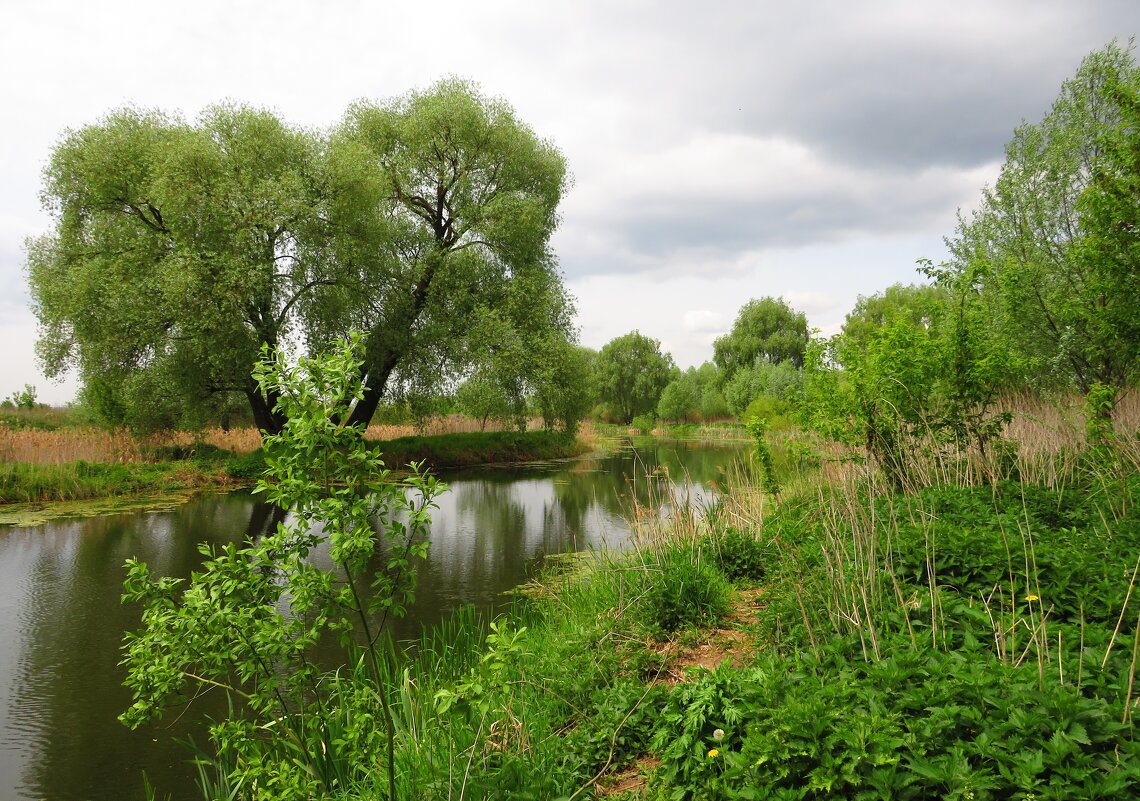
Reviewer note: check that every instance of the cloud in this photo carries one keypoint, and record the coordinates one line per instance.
(718, 196)
(703, 321)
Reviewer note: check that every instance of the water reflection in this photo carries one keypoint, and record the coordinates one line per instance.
(61, 621)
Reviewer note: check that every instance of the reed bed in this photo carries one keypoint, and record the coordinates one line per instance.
(64, 444)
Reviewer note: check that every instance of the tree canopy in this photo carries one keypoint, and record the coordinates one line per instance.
(179, 249)
(631, 373)
(916, 304)
(1051, 249)
(767, 329)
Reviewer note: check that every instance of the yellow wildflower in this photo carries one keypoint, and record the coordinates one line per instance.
(713, 753)
(1032, 598)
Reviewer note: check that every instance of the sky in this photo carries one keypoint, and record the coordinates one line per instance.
(720, 151)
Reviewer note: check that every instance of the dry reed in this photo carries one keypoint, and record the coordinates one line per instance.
(113, 446)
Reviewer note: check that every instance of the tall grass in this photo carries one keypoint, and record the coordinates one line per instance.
(59, 440)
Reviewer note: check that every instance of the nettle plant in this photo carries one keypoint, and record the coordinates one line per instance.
(248, 621)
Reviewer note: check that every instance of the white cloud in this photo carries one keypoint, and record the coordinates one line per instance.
(703, 321)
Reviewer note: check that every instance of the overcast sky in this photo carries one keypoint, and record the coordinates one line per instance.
(721, 151)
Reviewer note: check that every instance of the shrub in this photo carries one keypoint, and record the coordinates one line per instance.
(737, 554)
(773, 411)
(688, 591)
(645, 423)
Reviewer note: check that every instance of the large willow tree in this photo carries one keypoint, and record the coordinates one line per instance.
(180, 249)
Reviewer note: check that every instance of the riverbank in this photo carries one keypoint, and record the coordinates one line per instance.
(193, 468)
(725, 431)
(957, 642)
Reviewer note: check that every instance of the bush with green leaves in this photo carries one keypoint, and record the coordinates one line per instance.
(738, 554)
(23, 399)
(645, 423)
(680, 400)
(617, 726)
(783, 383)
(248, 620)
(688, 591)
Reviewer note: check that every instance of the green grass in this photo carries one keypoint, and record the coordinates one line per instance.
(176, 469)
(35, 483)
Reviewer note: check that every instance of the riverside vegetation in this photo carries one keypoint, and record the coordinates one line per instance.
(49, 455)
(973, 637)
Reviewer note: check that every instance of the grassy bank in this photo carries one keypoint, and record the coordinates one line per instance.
(81, 480)
(47, 435)
(728, 431)
(183, 468)
(961, 642)
(477, 448)
(972, 634)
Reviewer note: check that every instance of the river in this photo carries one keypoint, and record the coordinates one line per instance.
(62, 623)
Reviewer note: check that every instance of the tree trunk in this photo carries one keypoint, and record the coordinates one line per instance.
(265, 415)
(374, 385)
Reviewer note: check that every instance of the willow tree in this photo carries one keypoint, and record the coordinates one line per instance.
(767, 330)
(180, 249)
(440, 204)
(177, 252)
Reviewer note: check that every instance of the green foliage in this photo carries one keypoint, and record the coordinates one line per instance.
(680, 400)
(246, 621)
(738, 554)
(34, 483)
(631, 373)
(714, 406)
(247, 467)
(689, 590)
(1052, 244)
(620, 722)
(422, 221)
(912, 726)
(645, 423)
(766, 330)
(994, 675)
(564, 391)
(490, 679)
(1108, 252)
(773, 411)
(467, 449)
(782, 384)
(907, 387)
(920, 305)
(694, 395)
(1099, 404)
(758, 428)
(481, 398)
(22, 399)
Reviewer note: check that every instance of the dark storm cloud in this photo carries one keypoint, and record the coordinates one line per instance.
(894, 84)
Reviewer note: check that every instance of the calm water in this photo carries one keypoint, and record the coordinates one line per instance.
(61, 622)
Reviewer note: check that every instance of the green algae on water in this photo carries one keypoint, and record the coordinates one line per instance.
(36, 514)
